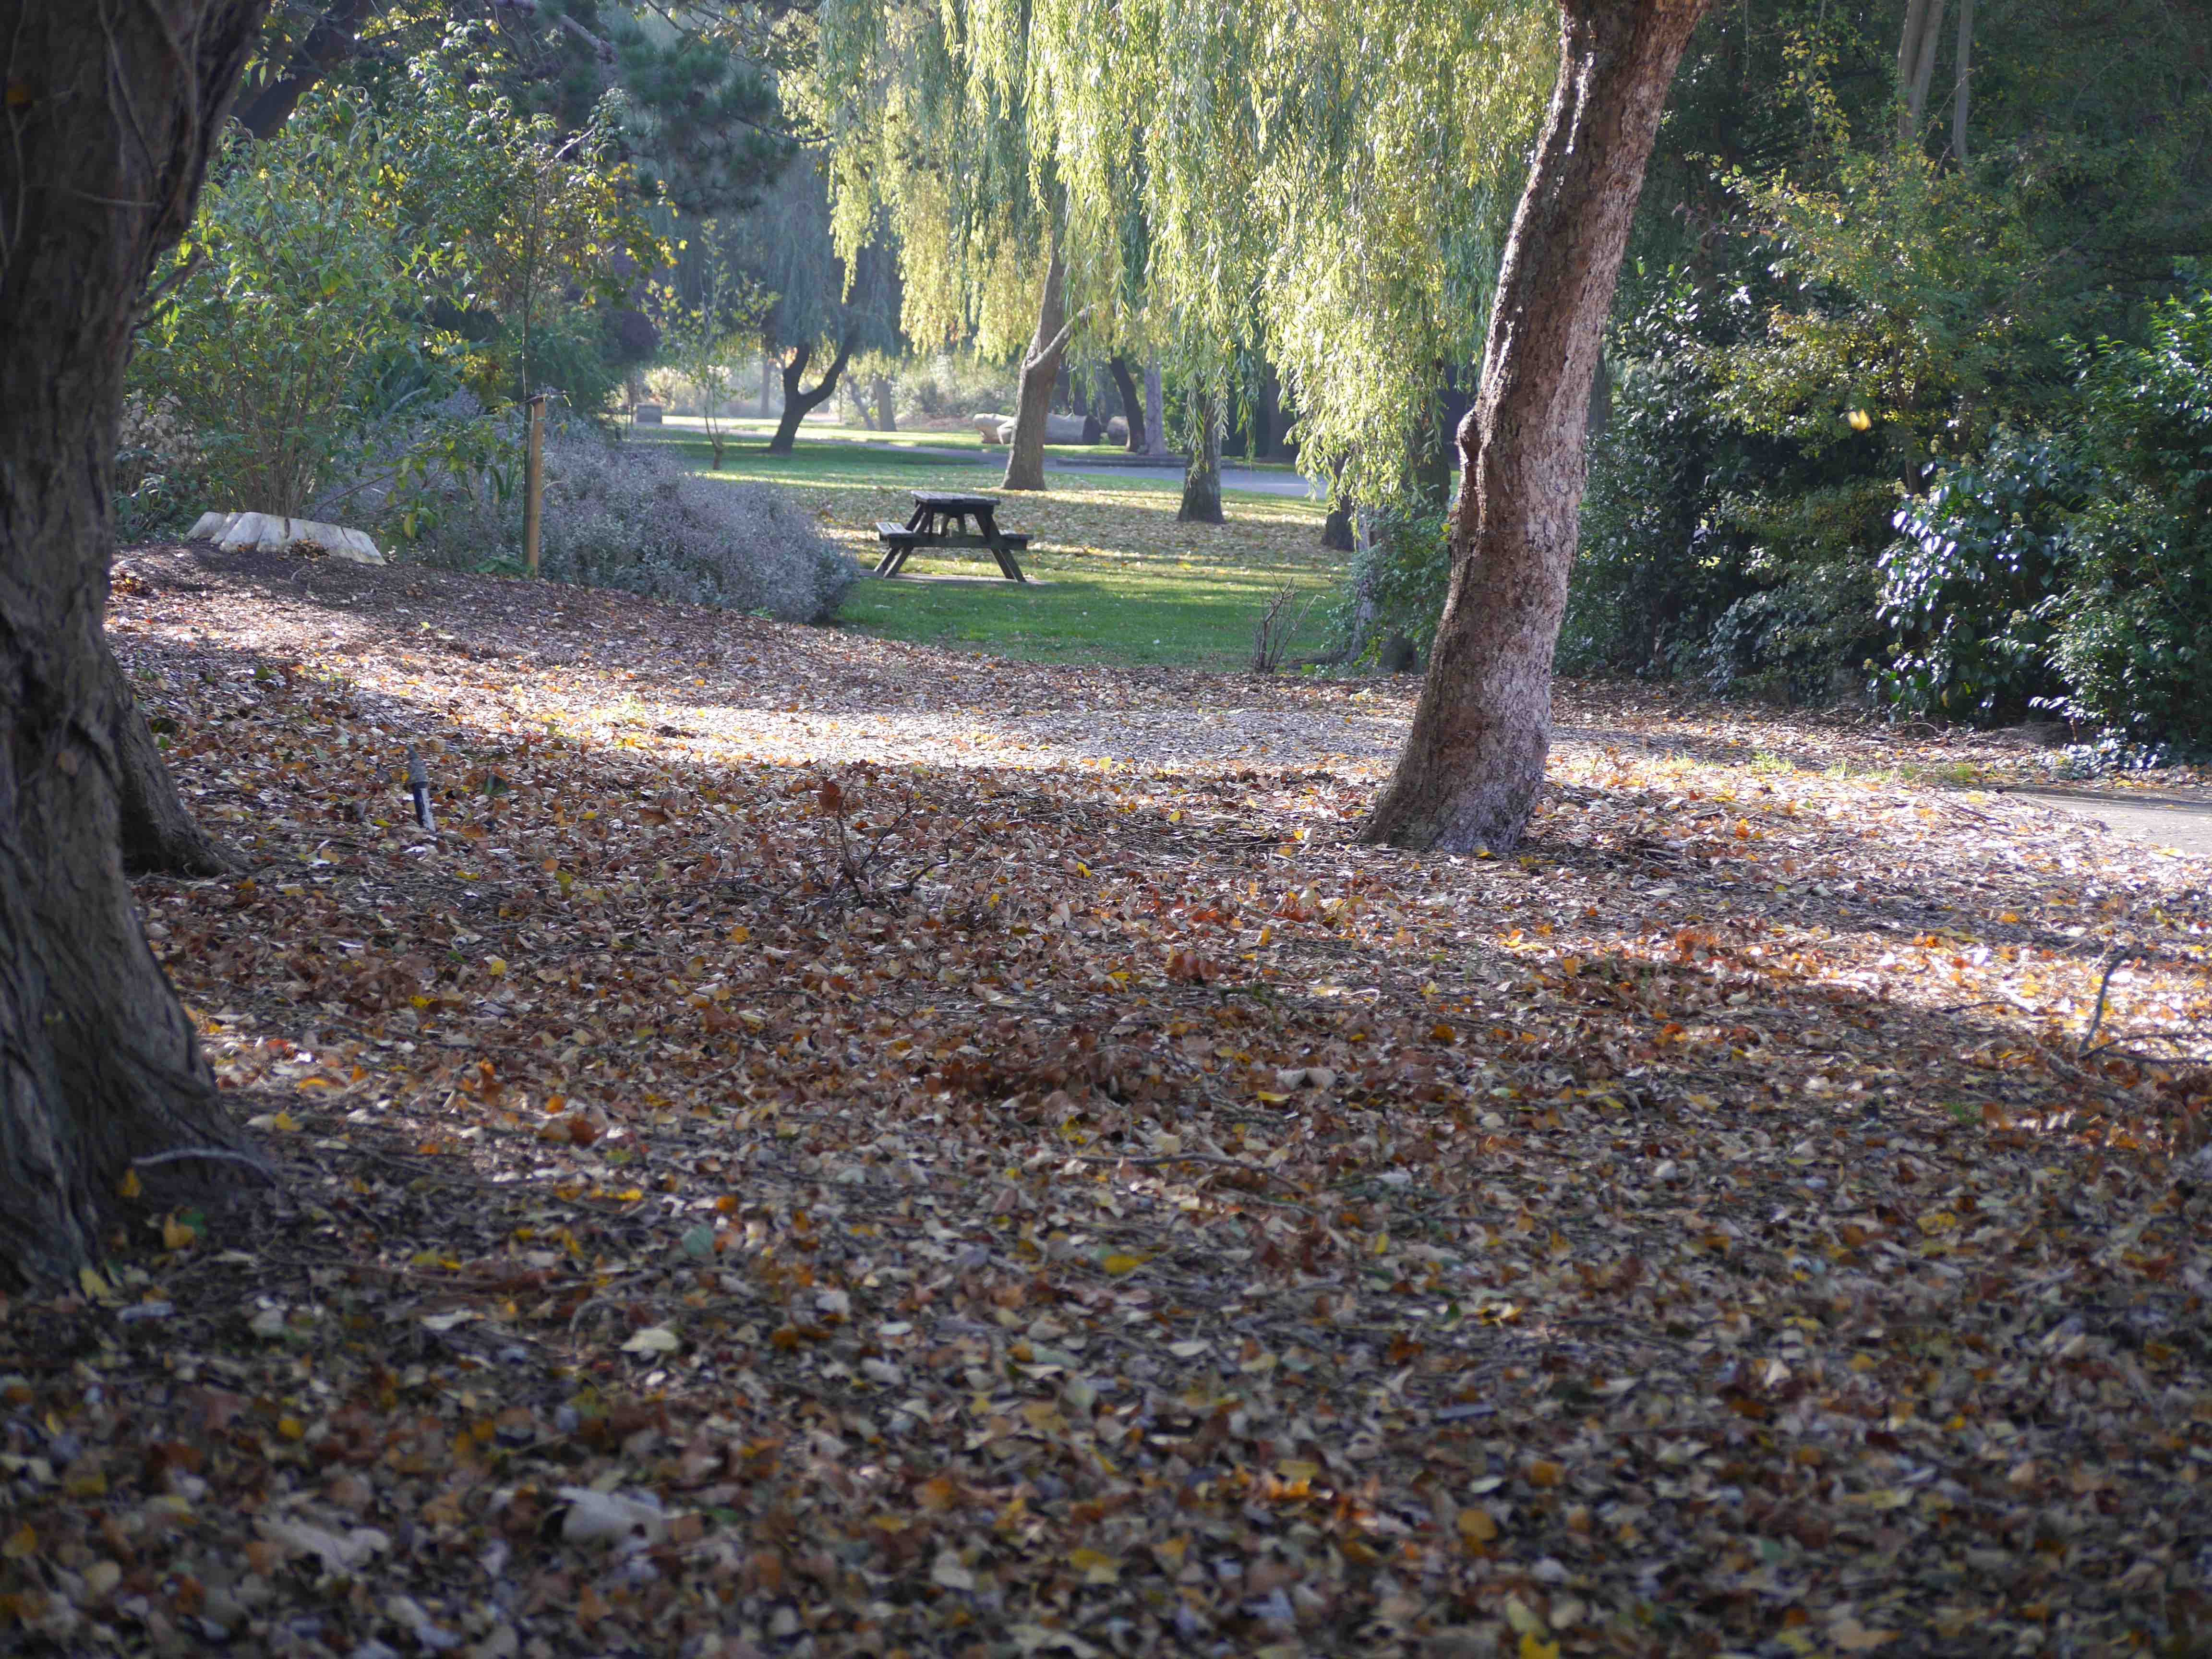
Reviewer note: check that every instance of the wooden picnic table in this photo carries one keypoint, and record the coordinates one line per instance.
(941, 519)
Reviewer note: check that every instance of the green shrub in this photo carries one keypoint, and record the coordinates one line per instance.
(2072, 572)
(1396, 584)
(1657, 566)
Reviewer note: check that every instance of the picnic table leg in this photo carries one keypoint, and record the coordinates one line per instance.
(986, 525)
(918, 518)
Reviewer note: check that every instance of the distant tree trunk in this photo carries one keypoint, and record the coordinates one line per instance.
(1473, 761)
(1040, 373)
(1201, 476)
(1432, 467)
(1916, 64)
(798, 401)
(1133, 407)
(1966, 56)
(112, 112)
(1156, 417)
(886, 413)
(1267, 426)
(334, 38)
(1336, 529)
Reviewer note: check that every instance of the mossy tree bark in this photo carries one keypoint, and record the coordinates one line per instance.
(1474, 761)
(111, 113)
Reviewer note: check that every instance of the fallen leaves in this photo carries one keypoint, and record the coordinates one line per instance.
(1111, 1212)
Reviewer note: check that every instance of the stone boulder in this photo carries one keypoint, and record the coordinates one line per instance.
(271, 533)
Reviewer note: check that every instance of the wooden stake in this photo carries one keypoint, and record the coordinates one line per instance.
(533, 485)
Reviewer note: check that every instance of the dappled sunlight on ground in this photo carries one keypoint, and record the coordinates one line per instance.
(963, 1132)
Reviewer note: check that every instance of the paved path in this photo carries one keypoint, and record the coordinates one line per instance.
(1260, 481)
(2181, 822)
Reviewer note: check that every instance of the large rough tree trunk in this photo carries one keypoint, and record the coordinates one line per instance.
(112, 111)
(1133, 405)
(1201, 474)
(886, 406)
(798, 401)
(1474, 759)
(1040, 373)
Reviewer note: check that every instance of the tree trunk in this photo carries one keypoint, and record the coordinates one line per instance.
(1336, 529)
(157, 834)
(1155, 416)
(886, 413)
(334, 39)
(102, 1065)
(1201, 474)
(1916, 64)
(1966, 56)
(1474, 759)
(1040, 373)
(767, 397)
(798, 403)
(1268, 426)
(1432, 467)
(1133, 407)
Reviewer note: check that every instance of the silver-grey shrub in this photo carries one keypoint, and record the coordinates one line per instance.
(625, 515)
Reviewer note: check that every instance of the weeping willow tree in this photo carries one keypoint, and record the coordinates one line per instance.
(1333, 182)
(1336, 176)
(1342, 172)
(928, 122)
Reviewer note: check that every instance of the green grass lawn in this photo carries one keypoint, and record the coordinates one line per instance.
(816, 433)
(1115, 578)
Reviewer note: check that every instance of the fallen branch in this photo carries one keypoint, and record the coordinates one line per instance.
(2111, 966)
(212, 1154)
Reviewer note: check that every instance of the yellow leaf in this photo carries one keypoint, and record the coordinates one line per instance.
(1477, 1525)
(1272, 1098)
(129, 1187)
(291, 1428)
(1095, 1566)
(93, 1285)
(1119, 1265)
(284, 1124)
(495, 966)
(1533, 1648)
(177, 1235)
(1848, 1634)
(21, 1543)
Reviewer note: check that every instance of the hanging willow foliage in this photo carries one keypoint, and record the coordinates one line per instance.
(1333, 181)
